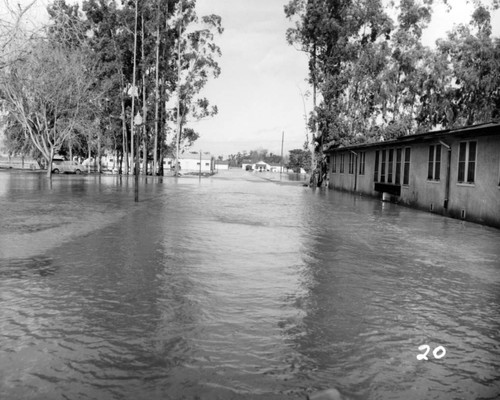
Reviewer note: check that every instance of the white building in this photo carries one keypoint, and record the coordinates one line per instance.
(191, 162)
(262, 166)
(221, 165)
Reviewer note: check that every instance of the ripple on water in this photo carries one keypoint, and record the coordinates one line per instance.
(225, 289)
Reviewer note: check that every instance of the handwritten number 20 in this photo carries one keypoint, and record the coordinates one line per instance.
(439, 352)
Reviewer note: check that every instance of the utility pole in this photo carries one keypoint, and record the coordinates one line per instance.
(281, 161)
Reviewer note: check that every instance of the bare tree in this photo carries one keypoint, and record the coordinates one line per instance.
(13, 32)
(48, 93)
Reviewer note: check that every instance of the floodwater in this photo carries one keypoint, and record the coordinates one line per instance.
(237, 287)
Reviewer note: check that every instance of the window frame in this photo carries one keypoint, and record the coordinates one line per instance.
(406, 166)
(399, 159)
(376, 167)
(434, 163)
(390, 164)
(362, 162)
(382, 166)
(352, 162)
(463, 166)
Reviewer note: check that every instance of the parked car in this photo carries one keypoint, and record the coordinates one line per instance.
(62, 166)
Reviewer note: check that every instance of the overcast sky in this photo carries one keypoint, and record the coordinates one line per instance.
(259, 91)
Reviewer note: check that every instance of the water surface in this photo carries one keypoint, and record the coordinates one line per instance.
(238, 287)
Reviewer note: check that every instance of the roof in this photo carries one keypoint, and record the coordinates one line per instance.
(489, 128)
(194, 155)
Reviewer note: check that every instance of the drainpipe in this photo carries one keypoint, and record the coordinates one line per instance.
(355, 169)
(447, 181)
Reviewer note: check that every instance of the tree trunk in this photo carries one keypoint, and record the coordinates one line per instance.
(124, 140)
(88, 148)
(99, 150)
(144, 106)
(49, 166)
(120, 161)
(313, 181)
(157, 95)
(179, 129)
(133, 90)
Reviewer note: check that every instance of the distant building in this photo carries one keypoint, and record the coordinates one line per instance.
(261, 166)
(221, 165)
(451, 172)
(192, 162)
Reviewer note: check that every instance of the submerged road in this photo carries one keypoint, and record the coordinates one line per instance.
(237, 287)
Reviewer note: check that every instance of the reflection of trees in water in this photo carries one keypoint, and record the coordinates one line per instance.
(379, 280)
(335, 301)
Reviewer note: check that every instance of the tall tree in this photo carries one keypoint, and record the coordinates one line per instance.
(376, 79)
(463, 83)
(196, 63)
(332, 32)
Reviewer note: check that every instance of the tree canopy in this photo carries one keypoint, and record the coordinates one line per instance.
(373, 79)
(127, 57)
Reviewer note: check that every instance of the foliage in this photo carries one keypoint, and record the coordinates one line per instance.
(102, 34)
(47, 93)
(252, 157)
(463, 86)
(376, 80)
(299, 158)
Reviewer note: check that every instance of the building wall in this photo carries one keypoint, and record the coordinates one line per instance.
(478, 202)
(194, 165)
(481, 200)
(222, 166)
(421, 192)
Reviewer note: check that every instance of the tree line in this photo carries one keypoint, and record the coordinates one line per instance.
(372, 78)
(296, 160)
(121, 75)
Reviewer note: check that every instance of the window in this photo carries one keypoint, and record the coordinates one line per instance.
(334, 162)
(397, 178)
(382, 167)
(434, 166)
(342, 156)
(467, 162)
(406, 168)
(362, 163)
(389, 171)
(351, 163)
(375, 170)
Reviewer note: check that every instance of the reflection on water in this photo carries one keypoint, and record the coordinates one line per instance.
(236, 287)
